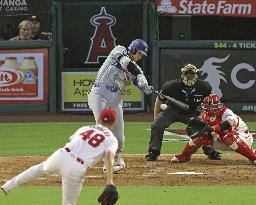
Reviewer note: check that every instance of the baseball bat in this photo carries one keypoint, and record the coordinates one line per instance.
(138, 67)
(176, 102)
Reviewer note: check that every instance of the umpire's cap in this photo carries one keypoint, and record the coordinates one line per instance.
(108, 115)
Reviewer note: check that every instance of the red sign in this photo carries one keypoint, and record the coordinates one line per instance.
(23, 76)
(244, 8)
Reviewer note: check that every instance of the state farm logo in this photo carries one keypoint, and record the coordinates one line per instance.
(10, 77)
(210, 7)
(166, 7)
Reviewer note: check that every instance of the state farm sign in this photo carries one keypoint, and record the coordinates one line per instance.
(207, 7)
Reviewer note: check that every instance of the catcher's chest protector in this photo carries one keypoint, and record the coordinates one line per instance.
(212, 120)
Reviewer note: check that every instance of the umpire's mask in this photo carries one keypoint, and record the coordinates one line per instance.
(189, 74)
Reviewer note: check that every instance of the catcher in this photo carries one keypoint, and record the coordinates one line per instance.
(87, 146)
(219, 128)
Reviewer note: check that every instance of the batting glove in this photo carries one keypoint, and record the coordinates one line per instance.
(142, 81)
(148, 90)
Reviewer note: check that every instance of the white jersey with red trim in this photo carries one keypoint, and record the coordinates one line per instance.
(90, 143)
(240, 125)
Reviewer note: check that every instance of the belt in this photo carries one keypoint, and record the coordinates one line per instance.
(77, 158)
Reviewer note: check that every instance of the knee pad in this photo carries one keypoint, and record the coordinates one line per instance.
(230, 140)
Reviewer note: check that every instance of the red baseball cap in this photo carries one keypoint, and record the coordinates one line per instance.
(108, 115)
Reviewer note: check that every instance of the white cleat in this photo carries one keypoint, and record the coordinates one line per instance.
(118, 165)
(178, 158)
(175, 160)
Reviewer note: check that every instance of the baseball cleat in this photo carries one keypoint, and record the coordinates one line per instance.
(5, 192)
(118, 165)
(152, 155)
(214, 156)
(178, 158)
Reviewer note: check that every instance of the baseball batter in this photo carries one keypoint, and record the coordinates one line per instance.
(229, 132)
(118, 71)
(87, 146)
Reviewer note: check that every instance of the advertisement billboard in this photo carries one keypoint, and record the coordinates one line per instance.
(77, 85)
(231, 73)
(24, 76)
(245, 8)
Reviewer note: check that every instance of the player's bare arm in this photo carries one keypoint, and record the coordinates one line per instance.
(109, 161)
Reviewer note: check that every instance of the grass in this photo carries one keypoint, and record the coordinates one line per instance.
(21, 139)
(139, 195)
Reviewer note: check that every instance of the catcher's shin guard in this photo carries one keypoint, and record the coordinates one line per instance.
(186, 154)
(189, 149)
(192, 146)
(235, 143)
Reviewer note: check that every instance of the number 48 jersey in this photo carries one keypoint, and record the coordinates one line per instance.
(91, 142)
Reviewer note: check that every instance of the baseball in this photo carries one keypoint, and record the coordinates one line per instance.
(163, 106)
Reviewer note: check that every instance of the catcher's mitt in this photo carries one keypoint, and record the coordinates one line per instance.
(109, 196)
(197, 127)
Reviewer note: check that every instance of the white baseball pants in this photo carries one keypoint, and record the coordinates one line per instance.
(61, 162)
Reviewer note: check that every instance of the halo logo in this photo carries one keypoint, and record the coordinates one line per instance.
(103, 40)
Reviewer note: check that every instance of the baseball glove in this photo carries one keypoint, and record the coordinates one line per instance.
(109, 196)
(197, 127)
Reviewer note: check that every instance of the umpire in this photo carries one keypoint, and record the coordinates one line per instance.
(190, 90)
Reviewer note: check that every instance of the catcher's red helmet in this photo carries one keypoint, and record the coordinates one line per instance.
(212, 104)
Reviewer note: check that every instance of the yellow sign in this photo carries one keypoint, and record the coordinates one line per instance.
(77, 85)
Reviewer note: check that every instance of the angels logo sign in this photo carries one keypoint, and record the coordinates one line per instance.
(103, 40)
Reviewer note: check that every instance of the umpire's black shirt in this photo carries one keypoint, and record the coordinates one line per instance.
(191, 95)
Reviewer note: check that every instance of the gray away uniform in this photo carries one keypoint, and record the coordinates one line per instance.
(107, 91)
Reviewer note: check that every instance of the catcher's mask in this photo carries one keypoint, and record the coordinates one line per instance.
(189, 74)
(212, 105)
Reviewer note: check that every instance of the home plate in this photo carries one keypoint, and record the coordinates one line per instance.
(186, 173)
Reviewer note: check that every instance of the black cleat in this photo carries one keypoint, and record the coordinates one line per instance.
(152, 155)
(211, 153)
(214, 155)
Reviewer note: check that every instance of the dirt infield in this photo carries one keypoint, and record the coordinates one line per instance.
(232, 169)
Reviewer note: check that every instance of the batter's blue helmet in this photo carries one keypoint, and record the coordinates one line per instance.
(138, 45)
